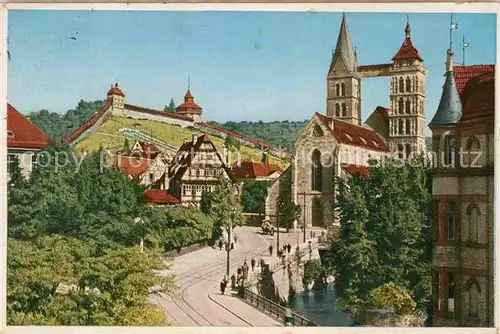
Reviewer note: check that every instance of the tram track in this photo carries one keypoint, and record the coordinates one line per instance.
(187, 308)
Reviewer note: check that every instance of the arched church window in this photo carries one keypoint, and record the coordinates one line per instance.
(408, 127)
(473, 290)
(408, 150)
(400, 151)
(450, 151)
(316, 171)
(344, 110)
(401, 106)
(407, 106)
(401, 85)
(337, 90)
(342, 90)
(400, 127)
(337, 110)
(408, 84)
(473, 222)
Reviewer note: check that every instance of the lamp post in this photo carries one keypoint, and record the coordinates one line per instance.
(229, 228)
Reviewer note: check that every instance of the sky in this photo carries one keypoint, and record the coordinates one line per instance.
(254, 66)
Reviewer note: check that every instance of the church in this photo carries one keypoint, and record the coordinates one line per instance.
(340, 144)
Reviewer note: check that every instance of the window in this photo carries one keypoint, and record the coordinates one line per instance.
(337, 110)
(473, 149)
(33, 161)
(197, 171)
(473, 293)
(407, 106)
(317, 171)
(473, 222)
(401, 106)
(408, 127)
(344, 110)
(450, 220)
(401, 85)
(337, 90)
(343, 89)
(450, 152)
(151, 177)
(317, 132)
(408, 150)
(186, 190)
(10, 134)
(408, 84)
(198, 190)
(401, 127)
(400, 151)
(451, 292)
(436, 291)
(10, 162)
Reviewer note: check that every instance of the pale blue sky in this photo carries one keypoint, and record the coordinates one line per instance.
(243, 65)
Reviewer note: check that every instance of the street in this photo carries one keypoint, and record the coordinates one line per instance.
(199, 273)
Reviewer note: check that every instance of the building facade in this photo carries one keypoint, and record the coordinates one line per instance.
(462, 189)
(339, 144)
(24, 141)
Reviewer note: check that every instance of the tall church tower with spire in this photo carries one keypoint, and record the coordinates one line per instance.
(407, 100)
(343, 99)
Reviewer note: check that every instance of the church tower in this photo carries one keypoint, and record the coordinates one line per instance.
(343, 98)
(407, 100)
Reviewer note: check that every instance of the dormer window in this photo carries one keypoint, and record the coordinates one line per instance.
(10, 134)
(363, 140)
(348, 136)
(374, 143)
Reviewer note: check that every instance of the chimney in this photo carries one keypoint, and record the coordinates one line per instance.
(449, 60)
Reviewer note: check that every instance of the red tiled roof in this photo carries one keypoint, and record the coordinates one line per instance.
(160, 196)
(116, 90)
(478, 96)
(464, 73)
(250, 169)
(25, 134)
(356, 169)
(148, 147)
(131, 165)
(407, 51)
(356, 135)
(157, 112)
(92, 120)
(189, 105)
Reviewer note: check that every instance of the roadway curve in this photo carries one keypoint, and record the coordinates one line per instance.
(198, 275)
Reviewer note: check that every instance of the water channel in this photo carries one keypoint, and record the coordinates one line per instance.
(319, 307)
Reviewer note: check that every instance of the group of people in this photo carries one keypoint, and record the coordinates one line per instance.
(287, 248)
(223, 243)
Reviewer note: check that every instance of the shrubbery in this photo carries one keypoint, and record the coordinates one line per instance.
(391, 296)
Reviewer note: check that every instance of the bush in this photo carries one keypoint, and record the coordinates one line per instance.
(389, 296)
(312, 271)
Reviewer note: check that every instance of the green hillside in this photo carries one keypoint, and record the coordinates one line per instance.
(109, 136)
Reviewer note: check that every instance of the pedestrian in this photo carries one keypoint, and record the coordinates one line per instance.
(220, 244)
(232, 245)
(252, 263)
(223, 284)
(289, 248)
(271, 250)
(311, 234)
(235, 238)
(233, 281)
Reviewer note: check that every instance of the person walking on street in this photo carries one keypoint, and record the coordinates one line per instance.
(220, 244)
(252, 263)
(289, 248)
(270, 250)
(223, 284)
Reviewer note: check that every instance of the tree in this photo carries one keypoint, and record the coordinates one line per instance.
(126, 145)
(15, 173)
(225, 207)
(171, 106)
(231, 143)
(384, 220)
(288, 210)
(253, 196)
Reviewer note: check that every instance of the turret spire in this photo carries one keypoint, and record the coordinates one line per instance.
(450, 105)
(344, 51)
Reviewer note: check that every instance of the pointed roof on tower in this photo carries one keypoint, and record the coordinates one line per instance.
(344, 51)
(450, 105)
(407, 50)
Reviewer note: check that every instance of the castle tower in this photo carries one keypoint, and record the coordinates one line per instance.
(189, 108)
(117, 98)
(343, 98)
(407, 100)
(443, 124)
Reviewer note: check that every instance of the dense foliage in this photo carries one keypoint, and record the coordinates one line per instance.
(391, 296)
(59, 126)
(253, 196)
(170, 107)
(278, 133)
(385, 232)
(224, 207)
(72, 249)
(312, 272)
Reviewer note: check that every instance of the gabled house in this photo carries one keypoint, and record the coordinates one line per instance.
(196, 167)
(24, 140)
(256, 171)
(145, 171)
